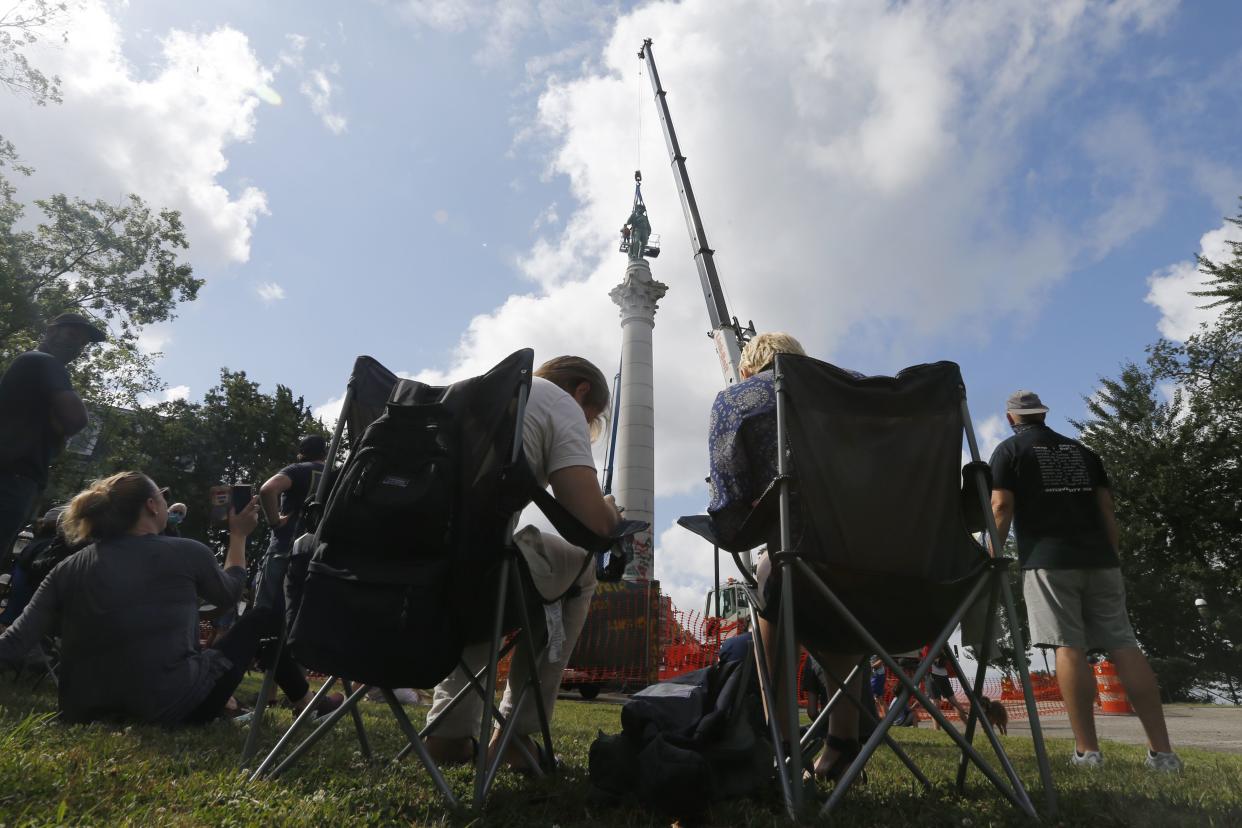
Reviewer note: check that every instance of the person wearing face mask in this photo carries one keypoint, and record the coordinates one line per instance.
(176, 516)
(39, 410)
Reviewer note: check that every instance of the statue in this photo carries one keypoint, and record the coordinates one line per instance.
(638, 230)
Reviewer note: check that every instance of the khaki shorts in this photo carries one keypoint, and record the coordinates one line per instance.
(1081, 608)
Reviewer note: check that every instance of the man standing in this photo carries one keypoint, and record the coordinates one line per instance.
(283, 496)
(39, 410)
(1055, 492)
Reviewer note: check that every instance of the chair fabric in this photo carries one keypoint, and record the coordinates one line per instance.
(416, 522)
(879, 533)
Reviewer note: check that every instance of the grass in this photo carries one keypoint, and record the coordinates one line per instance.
(107, 775)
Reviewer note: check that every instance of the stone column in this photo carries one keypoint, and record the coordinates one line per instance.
(634, 474)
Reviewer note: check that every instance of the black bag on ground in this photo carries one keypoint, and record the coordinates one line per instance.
(688, 742)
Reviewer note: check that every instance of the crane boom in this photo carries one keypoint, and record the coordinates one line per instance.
(727, 332)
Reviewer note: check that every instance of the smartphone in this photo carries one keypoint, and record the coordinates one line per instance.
(241, 494)
(218, 509)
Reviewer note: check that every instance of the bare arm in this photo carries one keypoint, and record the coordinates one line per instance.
(1105, 498)
(270, 493)
(1002, 511)
(577, 489)
(68, 413)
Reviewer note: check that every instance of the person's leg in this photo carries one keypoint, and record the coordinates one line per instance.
(1144, 693)
(451, 741)
(1077, 683)
(17, 501)
(574, 611)
(241, 643)
(1108, 627)
(1054, 605)
(843, 721)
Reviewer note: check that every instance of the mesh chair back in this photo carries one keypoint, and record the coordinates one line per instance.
(877, 463)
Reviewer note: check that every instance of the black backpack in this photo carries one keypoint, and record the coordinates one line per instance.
(413, 526)
(688, 742)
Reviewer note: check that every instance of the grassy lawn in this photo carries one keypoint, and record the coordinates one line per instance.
(102, 775)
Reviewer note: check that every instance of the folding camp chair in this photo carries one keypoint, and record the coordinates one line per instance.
(485, 415)
(868, 531)
(366, 394)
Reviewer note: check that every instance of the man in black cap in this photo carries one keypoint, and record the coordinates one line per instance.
(283, 496)
(39, 410)
(1056, 493)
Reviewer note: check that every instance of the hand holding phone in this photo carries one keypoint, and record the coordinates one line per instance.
(244, 521)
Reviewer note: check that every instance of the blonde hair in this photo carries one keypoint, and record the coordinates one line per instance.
(762, 350)
(108, 507)
(568, 372)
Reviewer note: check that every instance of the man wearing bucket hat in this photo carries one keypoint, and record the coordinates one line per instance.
(39, 410)
(1055, 492)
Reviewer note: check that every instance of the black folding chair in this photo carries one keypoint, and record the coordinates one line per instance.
(868, 526)
(486, 416)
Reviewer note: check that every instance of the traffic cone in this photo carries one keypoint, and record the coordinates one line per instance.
(1113, 699)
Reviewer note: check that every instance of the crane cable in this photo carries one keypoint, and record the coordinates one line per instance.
(638, 149)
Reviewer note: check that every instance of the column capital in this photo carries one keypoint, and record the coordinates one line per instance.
(638, 294)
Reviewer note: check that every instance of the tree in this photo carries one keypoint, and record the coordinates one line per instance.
(238, 434)
(21, 26)
(118, 263)
(1170, 433)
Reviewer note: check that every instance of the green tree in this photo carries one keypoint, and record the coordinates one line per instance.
(1169, 433)
(23, 24)
(238, 434)
(117, 263)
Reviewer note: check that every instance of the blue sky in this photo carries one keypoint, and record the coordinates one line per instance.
(440, 183)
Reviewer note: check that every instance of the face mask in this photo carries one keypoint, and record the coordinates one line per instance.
(175, 518)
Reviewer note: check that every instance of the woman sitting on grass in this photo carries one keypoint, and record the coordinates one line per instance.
(126, 607)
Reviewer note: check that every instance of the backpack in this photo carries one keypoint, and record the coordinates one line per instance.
(688, 742)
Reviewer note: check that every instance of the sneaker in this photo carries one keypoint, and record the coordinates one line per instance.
(1163, 762)
(1089, 759)
(405, 695)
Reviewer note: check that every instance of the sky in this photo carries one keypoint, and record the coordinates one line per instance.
(1019, 187)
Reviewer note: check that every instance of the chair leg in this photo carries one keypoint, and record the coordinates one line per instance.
(1037, 732)
(320, 731)
(870, 713)
(260, 707)
(533, 659)
(303, 716)
(989, 626)
(416, 744)
(489, 694)
(364, 743)
(788, 638)
(769, 702)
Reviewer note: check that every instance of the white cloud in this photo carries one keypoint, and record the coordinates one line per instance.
(329, 411)
(503, 24)
(1181, 314)
(270, 292)
(989, 433)
(161, 133)
(154, 338)
(318, 88)
(855, 172)
(176, 392)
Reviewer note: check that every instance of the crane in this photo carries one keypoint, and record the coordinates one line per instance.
(727, 333)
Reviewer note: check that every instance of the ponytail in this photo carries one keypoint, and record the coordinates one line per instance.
(108, 507)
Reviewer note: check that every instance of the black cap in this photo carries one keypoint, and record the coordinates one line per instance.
(77, 320)
(313, 445)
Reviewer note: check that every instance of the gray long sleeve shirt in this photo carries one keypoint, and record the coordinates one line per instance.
(127, 612)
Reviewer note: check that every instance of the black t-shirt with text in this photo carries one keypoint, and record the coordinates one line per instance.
(1057, 518)
(305, 477)
(28, 441)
